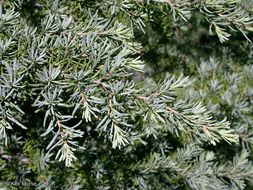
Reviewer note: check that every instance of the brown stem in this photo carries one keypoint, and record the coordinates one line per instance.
(169, 2)
(110, 104)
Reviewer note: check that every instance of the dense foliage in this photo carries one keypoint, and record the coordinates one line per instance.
(126, 94)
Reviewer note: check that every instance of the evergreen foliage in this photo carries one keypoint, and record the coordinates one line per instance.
(126, 94)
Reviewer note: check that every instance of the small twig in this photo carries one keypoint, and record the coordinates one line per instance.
(143, 98)
(241, 136)
(69, 182)
(171, 110)
(169, 2)
(102, 83)
(159, 93)
(193, 121)
(110, 104)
